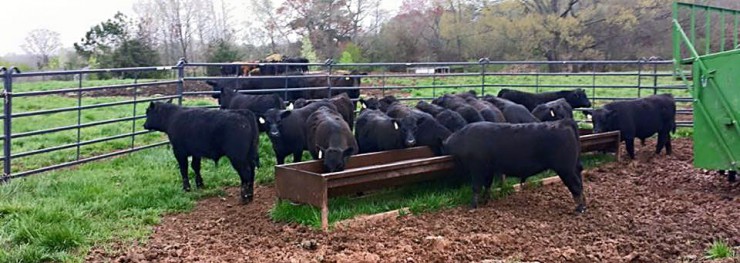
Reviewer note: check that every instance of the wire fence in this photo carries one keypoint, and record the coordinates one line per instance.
(50, 125)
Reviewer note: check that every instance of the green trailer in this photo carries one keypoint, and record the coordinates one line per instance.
(714, 80)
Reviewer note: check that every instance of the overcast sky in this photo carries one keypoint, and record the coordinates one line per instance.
(72, 18)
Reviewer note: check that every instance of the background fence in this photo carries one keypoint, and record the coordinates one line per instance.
(53, 120)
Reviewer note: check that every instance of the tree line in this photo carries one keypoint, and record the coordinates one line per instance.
(162, 31)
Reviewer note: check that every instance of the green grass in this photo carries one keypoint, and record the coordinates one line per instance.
(19, 85)
(719, 250)
(59, 215)
(420, 198)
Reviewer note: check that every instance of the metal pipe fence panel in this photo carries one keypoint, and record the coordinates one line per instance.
(85, 119)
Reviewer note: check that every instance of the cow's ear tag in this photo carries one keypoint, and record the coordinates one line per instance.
(589, 117)
(321, 154)
(262, 120)
(347, 78)
(552, 113)
(363, 105)
(395, 125)
(290, 106)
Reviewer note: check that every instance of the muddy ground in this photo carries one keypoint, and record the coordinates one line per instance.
(653, 209)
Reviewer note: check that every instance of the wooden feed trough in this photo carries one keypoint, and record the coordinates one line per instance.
(306, 183)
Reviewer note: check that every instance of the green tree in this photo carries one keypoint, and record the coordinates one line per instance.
(307, 50)
(133, 53)
(102, 38)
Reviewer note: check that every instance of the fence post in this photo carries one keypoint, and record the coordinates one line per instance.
(655, 78)
(483, 62)
(329, 63)
(79, 115)
(7, 122)
(180, 76)
(639, 77)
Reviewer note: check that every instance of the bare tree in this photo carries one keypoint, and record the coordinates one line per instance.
(42, 43)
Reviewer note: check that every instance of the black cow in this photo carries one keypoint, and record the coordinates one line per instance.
(513, 113)
(349, 84)
(553, 110)
(280, 85)
(344, 105)
(385, 102)
(267, 66)
(459, 105)
(369, 103)
(452, 120)
(418, 128)
(257, 104)
(576, 98)
(375, 131)
(212, 134)
(488, 111)
(329, 139)
(487, 150)
(287, 130)
(638, 118)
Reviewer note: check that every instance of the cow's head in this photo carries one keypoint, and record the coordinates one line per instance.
(216, 88)
(604, 120)
(386, 102)
(408, 126)
(158, 115)
(300, 103)
(369, 103)
(273, 118)
(335, 158)
(578, 99)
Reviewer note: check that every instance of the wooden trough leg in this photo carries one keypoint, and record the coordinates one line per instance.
(325, 211)
(617, 147)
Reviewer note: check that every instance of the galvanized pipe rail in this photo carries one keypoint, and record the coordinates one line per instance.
(384, 82)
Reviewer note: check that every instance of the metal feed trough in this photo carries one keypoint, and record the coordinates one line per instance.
(305, 182)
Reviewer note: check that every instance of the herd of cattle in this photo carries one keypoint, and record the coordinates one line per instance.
(515, 133)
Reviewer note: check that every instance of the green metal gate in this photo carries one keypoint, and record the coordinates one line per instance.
(715, 77)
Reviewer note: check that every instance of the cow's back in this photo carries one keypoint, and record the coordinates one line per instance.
(516, 149)
(209, 133)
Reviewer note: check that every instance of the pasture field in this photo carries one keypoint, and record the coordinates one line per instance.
(60, 215)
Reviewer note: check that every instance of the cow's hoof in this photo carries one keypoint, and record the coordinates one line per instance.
(186, 189)
(200, 186)
(247, 199)
(580, 209)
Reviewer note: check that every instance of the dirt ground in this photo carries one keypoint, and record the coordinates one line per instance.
(653, 209)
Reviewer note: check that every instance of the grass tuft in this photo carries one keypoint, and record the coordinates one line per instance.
(719, 250)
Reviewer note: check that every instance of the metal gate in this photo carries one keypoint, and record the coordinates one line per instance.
(714, 76)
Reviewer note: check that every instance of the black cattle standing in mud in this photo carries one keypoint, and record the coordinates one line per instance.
(375, 131)
(487, 150)
(513, 113)
(212, 134)
(639, 118)
(576, 98)
(329, 139)
(452, 120)
(287, 130)
(257, 104)
(553, 110)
